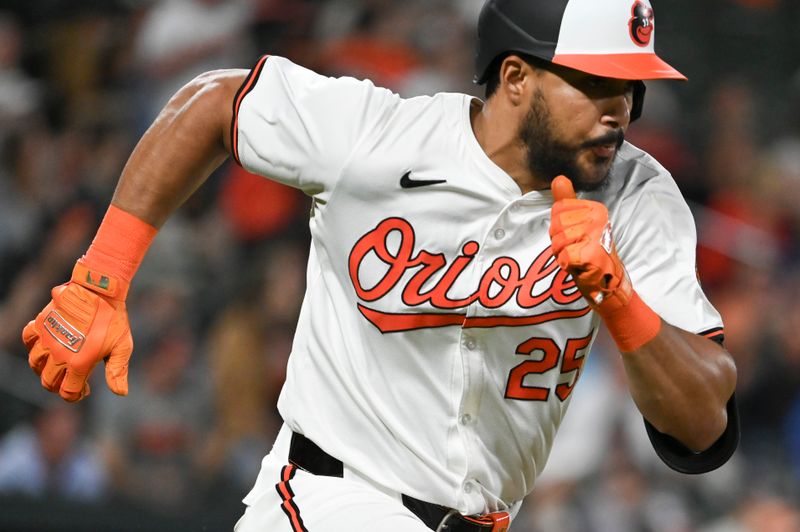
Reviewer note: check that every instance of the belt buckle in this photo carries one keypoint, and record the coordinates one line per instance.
(500, 521)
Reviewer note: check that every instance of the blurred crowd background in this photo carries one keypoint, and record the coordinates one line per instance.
(213, 308)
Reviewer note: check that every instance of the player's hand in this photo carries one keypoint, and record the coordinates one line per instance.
(74, 332)
(583, 245)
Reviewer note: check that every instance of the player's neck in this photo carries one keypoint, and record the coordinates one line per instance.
(496, 129)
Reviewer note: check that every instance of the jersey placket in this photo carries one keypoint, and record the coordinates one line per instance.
(472, 346)
(472, 351)
(509, 229)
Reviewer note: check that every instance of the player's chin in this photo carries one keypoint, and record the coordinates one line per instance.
(594, 172)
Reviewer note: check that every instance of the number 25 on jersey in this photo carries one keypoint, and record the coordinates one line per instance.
(571, 363)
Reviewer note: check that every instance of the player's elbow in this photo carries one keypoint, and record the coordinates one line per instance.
(706, 424)
(699, 421)
(711, 421)
(697, 432)
(708, 432)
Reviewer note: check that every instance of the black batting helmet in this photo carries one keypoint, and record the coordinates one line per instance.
(609, 38)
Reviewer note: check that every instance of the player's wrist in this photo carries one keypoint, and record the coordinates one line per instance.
(629, 320)
(110, 263)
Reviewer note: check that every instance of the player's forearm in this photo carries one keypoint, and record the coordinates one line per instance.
(187, 141)
(681, 383)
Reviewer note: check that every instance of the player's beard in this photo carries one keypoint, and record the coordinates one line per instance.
(548, 157)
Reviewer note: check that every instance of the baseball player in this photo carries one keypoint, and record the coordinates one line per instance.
(461, 264)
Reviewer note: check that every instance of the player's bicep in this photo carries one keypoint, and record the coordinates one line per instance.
(228, 83)
(185, 143)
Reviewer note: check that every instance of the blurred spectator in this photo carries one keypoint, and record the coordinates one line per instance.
(662, 130)
(780, 383)
(51, 457)
(439, 36)
(20, 95)
(626, 501)
(151, 437)
(53, 262)
(781, 168)
(180, 39)
(379, 49)
(257, 208)
(738, 227)
(249, 344)
(19, 211)
(759, 514)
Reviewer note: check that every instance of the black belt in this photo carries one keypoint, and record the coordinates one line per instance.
(306, 455)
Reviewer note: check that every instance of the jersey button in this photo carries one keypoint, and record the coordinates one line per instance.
(471, 344)
(465, 419)
(499, 234)
(467, 487)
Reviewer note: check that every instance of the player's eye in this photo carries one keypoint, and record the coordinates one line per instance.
(595, 82)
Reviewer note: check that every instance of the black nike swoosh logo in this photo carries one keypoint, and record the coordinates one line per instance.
(407, 182)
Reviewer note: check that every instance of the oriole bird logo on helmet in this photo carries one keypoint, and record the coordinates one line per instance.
(642, 23)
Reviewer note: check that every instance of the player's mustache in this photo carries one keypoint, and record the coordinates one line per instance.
(616, 137)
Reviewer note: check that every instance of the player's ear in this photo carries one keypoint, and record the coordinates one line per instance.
(515, 77)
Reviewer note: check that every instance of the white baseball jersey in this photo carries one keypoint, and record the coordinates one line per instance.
(439, 341)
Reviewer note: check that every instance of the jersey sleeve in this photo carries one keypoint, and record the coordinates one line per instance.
(656, 240)
(298, 127)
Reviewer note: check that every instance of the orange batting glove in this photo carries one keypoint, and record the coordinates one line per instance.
(583, 245)
(87, 321)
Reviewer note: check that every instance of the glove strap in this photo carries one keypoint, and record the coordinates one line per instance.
(115, 254)
(96, 281)
(632, 323)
